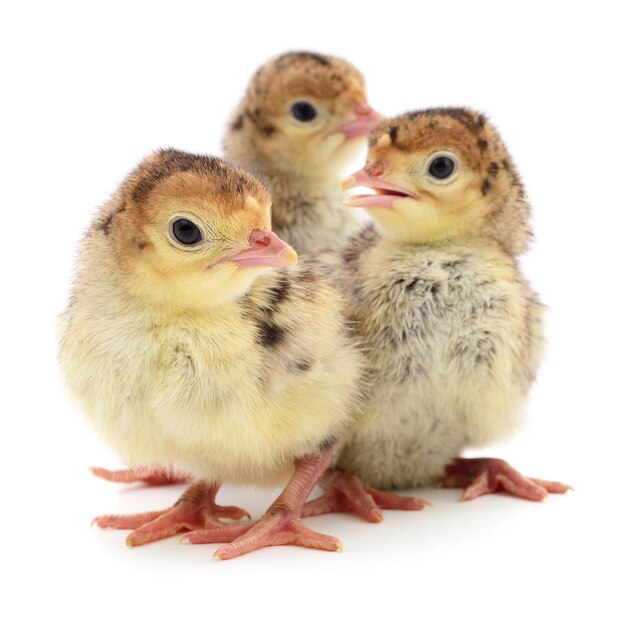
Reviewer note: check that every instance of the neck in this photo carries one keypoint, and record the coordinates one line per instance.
(307, 208)
(118, 295)
(473, 243)
(308, 212)
(305, 175)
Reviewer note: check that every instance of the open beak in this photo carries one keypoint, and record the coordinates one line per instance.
(385, 193)
(265, 250)
(366, 120)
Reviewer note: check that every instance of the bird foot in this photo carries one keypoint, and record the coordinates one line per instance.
(481, 476)
(281, 523)
(195, 509)
(152, 477)
(276, 528)
(347, 493)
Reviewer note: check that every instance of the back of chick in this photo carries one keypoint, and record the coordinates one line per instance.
(453, 330)
(182, 350)
(303, 118)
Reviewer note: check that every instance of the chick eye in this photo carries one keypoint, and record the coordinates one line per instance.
(442, 167)
(303, 111)
(186, 232)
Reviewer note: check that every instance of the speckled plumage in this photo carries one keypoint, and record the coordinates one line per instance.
(302, 166)
(452, 329)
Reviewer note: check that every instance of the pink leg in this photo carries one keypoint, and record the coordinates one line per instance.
(481, 476)
(281, 523)
(151, 476)
(195, 509)
(346, 492)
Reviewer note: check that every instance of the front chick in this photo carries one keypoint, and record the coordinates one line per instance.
(453, 330)
(184, 350)
(303, 118)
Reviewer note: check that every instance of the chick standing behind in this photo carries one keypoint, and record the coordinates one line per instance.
(303, 118)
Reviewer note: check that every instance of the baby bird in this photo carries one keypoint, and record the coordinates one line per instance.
(184, 350)
(452, 328)
(303, 118)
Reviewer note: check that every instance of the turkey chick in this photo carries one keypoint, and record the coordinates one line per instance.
(184, 350)
(453, 330)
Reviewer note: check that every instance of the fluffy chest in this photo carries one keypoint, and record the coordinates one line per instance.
(445, 332)
(448, 313)
(220, 397)
(157, 391)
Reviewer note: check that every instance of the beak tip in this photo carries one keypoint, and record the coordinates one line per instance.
(290, 256)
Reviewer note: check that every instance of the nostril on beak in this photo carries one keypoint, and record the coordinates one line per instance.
(260, 239)
(374, 169)
(363, 109)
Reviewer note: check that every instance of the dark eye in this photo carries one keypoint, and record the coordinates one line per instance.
(186, 232)
(303, 111)
(442, 167)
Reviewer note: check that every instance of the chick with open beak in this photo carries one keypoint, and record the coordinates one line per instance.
(193, 341)
(452, 328)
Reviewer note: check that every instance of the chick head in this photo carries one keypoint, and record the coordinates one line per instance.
(443, 174)
(192, 232)
(302, 112)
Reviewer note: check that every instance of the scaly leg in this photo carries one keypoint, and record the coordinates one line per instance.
(281, 523)
(481, 476)
(195, 509)
(345, 492)
(151, 476)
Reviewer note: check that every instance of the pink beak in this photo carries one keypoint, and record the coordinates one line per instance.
(362, 178)
(366, 120)
(266, 250)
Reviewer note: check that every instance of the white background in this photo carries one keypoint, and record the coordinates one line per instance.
(89, 88)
